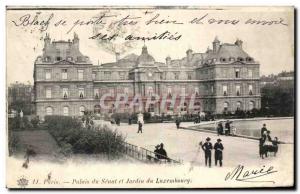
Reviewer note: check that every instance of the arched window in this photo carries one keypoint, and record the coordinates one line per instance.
(184, 108)
(251, 105)
(97, 108)
(197, 106)
(151, 108)
(81, 110)
(49, 110)
(226, 106)
(66, 111)
(238, 106)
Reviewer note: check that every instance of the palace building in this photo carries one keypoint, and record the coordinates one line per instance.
(222, 79)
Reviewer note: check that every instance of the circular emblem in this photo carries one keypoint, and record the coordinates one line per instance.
(150, 74)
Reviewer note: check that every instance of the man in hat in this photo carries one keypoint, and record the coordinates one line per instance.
(207, 147)
(218, 152)
(140, 125)
(263, 129)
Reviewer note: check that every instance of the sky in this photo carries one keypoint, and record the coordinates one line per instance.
(271, 45)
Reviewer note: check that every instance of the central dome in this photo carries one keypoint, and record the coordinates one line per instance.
(145, 57)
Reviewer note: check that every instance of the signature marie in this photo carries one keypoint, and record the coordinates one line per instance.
(250, 175)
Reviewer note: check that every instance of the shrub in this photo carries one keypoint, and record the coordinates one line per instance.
(72, 138)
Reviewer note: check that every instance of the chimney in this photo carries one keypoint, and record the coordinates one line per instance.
(117, 56)
(47, 40)
(76, 40)
(189, 54)
(216, 45)
(239, 43)
(168, 61)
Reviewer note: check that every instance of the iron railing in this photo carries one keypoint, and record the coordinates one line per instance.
(144, 155)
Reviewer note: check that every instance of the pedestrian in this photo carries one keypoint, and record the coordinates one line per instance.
(207, 147)
(220, 128)
(129, 120)
(218, 152)
(227, 128)
(140, 127)
(261, 148)
(177, 123)
(263, 129)
(162, 152)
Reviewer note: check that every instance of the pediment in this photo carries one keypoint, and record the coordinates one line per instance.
(238, 63)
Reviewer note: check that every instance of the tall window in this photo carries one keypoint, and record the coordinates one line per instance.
(81, 110)
(169, 90)
(237, 73)
(48, 93)
(251, 105)
(250, 89)
(150, 91)
(226, 106)
(96, 93)
(176, 75)
(66, 111)
(238, 105)
(65, 92)
(122, 75)
(225, 92)
(196, 91)
(94, 75)
(80, 74)
(107, 75)
(49, 110)
(151, 108)
(81, 92)
(64, 73)
(126, 91)
(250, 73)
(182, 91)
(189, 76)
(48, 74)
(212, 89)
(238, 90)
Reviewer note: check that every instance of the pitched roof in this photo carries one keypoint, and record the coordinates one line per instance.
(227, 50)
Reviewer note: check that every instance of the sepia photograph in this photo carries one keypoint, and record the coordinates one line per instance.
(150, 97)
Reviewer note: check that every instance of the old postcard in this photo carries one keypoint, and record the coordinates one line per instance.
(150, 97)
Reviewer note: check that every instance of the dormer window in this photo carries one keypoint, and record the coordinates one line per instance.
(240, 59)
(249, 59)
(47, 59)
(223, 59)
(58, 58)
(69, 58)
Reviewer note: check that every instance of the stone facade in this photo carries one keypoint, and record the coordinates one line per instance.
(224, 78)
